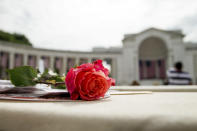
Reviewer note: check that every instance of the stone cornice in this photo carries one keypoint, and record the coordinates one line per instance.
(173, 33)
(25, 47)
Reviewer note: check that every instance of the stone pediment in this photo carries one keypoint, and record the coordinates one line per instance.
(172, 33)
(169, 32)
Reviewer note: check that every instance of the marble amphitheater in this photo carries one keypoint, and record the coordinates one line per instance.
(143, 57)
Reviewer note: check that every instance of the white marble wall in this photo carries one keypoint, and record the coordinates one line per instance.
(131, 44)
(12, 49)
(125, 68)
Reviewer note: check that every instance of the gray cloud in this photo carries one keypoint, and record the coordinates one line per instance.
(81, 25)
(189, 26)
(190, 22)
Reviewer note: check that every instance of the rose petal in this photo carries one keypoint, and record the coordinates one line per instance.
(70, 80)
(99, 66)
(93, 87)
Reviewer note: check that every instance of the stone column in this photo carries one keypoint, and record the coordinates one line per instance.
(136, 67)
(169, 63)
(77, 61)
(11, 57)
(52, 63)
(170, 60)
(114, 68)
(64, 65)
(25, 59)
(38, 57)
(194, 59)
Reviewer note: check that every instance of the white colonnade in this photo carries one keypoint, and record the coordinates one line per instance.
(67, 59)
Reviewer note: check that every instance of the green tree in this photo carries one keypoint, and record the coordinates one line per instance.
(14, 38)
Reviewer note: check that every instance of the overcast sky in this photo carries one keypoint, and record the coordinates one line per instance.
(83, 24)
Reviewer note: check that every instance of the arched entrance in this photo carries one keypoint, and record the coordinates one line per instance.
(152, 58)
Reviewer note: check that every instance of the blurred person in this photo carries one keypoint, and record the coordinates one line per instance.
(176, 76)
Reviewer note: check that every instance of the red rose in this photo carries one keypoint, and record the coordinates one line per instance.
(88, 81)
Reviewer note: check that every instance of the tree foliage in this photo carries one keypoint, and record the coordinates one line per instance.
(14, 38)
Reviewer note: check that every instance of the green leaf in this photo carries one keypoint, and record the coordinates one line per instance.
(56, 78)
(23, 76)
(75, 66)
(45, 73)
(59, 87)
